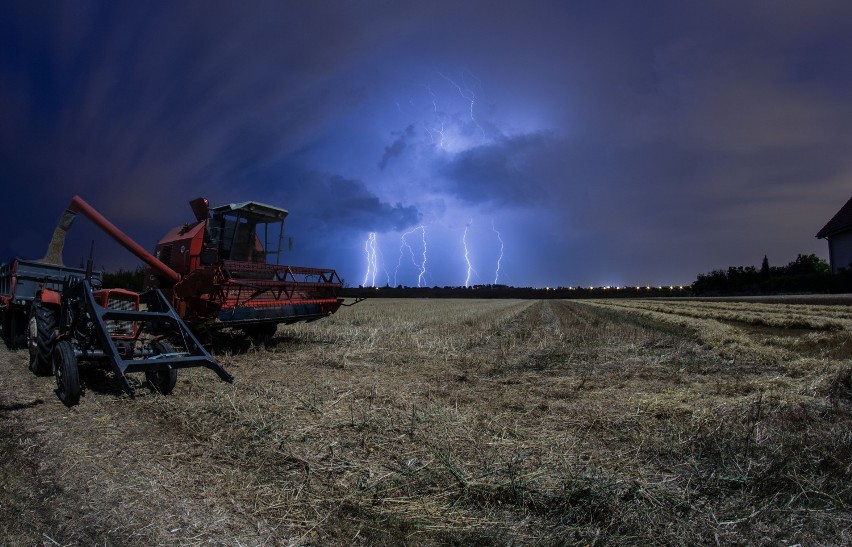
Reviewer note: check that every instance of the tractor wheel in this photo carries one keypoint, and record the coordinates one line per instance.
(41, 337)
(162, 381)
(67, 374)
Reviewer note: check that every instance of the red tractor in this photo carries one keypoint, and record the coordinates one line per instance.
(224, 269)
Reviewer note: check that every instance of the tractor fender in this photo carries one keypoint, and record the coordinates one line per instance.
(49, 296)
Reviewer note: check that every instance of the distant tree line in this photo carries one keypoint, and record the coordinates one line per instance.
(807, 273)
(505, 291)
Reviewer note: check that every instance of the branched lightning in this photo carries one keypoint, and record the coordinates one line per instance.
(370, 252)
(500, 258)
(467, 93)
(440, 131)
(404, 245)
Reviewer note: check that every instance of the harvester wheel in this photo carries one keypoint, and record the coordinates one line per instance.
(67, 374)
(162, 381)
(41, 337)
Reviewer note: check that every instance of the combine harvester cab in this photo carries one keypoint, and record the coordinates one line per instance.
(229, 262)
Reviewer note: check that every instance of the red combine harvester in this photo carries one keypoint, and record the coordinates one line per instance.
(223, 270)
(214, 273)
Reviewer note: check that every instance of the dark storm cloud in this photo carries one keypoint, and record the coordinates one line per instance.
(397, 147)
(139, 108)
(507, 172)
(632, 134)
(347, 205)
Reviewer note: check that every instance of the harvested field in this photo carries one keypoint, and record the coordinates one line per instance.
(458, 421)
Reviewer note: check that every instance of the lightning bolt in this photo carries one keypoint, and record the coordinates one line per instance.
(422, 277)
(467, 94)
(500, 259)
(370, 252)
(440, 119)
(467, 255)
(403, 246)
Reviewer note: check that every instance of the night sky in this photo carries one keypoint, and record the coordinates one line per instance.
(604, 143)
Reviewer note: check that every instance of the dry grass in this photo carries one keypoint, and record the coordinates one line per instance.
(457, 421)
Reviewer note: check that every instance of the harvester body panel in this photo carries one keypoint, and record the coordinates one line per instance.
(230, 272)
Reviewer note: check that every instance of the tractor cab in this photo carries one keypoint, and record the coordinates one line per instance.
(246, 232)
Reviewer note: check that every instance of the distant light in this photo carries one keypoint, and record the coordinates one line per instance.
(649, 288)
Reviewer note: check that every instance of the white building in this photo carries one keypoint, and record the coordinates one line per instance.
(838, 232)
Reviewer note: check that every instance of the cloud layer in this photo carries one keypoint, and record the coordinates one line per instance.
(644, 142)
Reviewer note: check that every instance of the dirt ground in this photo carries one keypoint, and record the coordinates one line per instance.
(455, 422)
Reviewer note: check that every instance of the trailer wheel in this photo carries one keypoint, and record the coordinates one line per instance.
(162, 381)
(41, 337)
(67, 374)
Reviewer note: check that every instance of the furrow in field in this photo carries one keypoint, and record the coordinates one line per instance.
(778, 317)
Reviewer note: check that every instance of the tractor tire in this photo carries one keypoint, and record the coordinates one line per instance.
(162, 381)
(67, 374)
(41, 337)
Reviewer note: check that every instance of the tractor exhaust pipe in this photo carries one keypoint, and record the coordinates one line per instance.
(77, 205)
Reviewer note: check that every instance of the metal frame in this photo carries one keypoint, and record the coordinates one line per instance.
(159, 317)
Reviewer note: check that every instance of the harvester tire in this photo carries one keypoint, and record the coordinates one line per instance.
(41, 337)
(67, 374)
(162, 381)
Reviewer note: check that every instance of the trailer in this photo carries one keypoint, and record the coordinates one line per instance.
(20, 282)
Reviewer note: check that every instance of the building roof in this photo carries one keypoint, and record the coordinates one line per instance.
(841, 222)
